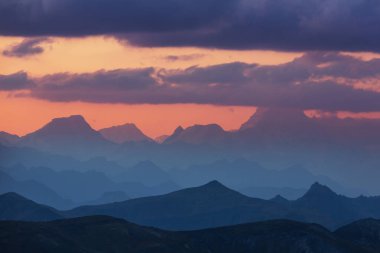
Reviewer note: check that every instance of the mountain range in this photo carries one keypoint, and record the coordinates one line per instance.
(214, 205)
(70, 136)
(344, 149)
(65, 189)
(33, 190)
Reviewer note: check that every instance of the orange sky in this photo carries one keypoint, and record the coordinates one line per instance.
(23, 115)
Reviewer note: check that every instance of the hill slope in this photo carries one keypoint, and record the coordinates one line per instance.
(209, 205)
(105, 234)
(16, 207)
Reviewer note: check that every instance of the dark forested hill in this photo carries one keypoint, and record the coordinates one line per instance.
(103, 234)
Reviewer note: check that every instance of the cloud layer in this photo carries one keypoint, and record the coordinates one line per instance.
(296, 25)
(25, 48)
(323, 81)
(16, 81)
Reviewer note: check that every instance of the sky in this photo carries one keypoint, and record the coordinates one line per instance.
(166, 63)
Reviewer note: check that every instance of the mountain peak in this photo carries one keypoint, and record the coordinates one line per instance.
(74, 125)
(178, 130)
(196, 134)
(128, 132)
(317, 190)
(264, 115)
(69, 135)
(71, 124)
(74, 119)
(7, 138)
(214, 184)
(279, 199)
(217, 187)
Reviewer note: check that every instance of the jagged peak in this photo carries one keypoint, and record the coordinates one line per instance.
(179, 129)
(215, 185)
(270, 114)
(318, 189)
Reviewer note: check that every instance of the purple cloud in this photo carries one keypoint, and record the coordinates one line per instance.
(323, 81)
(16, 81)
(287, 25)
(27, 47)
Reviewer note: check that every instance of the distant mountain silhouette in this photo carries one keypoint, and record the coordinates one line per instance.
(214, 205)
(144, 172)
(75, 185)
(276, 118)
(248, 176)
(275, 138)
(323, 206)
(280, 199)
(109, 197)
(33, 190)
(271, 192)
(71, 135)
(88, 185)
(109, 235)
(8, 139)
(124, 133)
(280, 128)
(16, 207)
(198, 134)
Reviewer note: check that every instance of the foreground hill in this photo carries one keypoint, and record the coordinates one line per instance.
(105, 234)
(365, 233)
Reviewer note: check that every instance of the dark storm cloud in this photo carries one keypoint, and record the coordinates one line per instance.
(296, 25)
(90, 17)
(16, 81)
(323, 81)
(100, 86)
(25, 48)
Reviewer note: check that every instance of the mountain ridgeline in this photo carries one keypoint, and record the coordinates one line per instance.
(67, 185)
(275, 138)
(212, 205)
